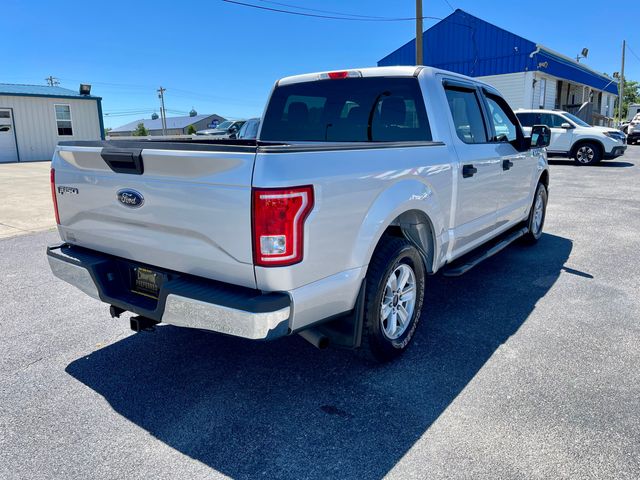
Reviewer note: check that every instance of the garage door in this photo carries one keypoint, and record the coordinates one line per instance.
(8, 149)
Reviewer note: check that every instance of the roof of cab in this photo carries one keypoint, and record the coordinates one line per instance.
(395, 71)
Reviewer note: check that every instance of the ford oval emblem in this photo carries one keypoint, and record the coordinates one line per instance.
(130, 198)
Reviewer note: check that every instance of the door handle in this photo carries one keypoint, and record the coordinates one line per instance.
(468, 171)
(507, 164)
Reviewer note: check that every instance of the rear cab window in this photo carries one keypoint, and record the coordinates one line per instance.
(370, 109)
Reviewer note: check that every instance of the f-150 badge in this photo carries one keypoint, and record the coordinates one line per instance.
(63, 190)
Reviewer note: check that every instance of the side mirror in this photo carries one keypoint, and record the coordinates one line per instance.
(540, 136)
(566, 126)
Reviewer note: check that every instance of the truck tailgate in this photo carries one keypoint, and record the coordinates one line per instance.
(189, 211)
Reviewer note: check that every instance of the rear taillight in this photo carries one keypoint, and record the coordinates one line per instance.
(53, 195)
(278, 224)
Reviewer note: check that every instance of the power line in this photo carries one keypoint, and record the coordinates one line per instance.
(329, 17)
(126, 110)
(447, 2)
(634, 53)
(129, 114)
(123, 87)
(317, 10)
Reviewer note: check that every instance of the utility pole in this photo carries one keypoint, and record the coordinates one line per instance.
(621, 85)
(52, 81)
(419, 58)
(163, 114)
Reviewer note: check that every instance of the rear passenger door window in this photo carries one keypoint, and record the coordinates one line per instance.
(529, 119)
(552, 121)
(466, 112)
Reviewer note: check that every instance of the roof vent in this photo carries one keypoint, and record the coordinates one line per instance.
(85, 89)
(193, 113)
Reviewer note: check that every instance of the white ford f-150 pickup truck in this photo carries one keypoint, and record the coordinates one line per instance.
(361, 183)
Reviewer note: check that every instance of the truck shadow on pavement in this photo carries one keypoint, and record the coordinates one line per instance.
(285, 410)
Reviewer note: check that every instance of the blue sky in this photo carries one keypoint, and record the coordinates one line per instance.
(223, 58)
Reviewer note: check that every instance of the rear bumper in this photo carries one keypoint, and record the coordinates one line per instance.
(183, 300)
(616, 152)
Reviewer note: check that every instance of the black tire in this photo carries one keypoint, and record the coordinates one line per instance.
(587, 153)
(390, 256)
(535, 228)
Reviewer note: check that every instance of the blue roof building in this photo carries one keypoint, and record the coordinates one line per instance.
(34, 118)
(528, 74)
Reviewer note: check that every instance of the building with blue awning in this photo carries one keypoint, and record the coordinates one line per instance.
(528, 74)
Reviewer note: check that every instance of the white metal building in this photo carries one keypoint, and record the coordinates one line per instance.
(634, 109)
(34, 118)
(537, 89)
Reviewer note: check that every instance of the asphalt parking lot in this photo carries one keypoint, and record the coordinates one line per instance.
(526, 367)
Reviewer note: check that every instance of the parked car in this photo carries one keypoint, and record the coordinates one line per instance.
(226, 130)
(633, 130)
(327, 227)
(249, 131)
(575, 138)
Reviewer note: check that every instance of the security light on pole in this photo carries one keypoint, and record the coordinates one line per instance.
(583, 54)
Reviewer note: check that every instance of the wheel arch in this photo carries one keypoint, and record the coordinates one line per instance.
(544, 178)
(409, 208)
(582, 141)
(417, 228)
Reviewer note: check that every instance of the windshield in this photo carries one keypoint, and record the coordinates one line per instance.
(577, 120)
(224, 125)
(347, 110)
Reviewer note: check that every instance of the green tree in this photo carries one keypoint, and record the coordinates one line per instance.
(140, 131)
(631, 95)
(106, 131)
(191, 130)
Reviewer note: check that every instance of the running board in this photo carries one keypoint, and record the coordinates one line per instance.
(467, 262)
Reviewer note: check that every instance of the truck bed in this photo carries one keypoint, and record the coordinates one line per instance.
(196, 216)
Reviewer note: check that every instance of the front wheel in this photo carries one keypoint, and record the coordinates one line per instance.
(538, 212)
(587, 154)
(393, 299)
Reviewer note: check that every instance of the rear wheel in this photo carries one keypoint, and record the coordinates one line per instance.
(538, 212)
(393, 299)
(587, 154)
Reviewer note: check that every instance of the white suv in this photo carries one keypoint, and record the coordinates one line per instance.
(573, 137)
(633, 130)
